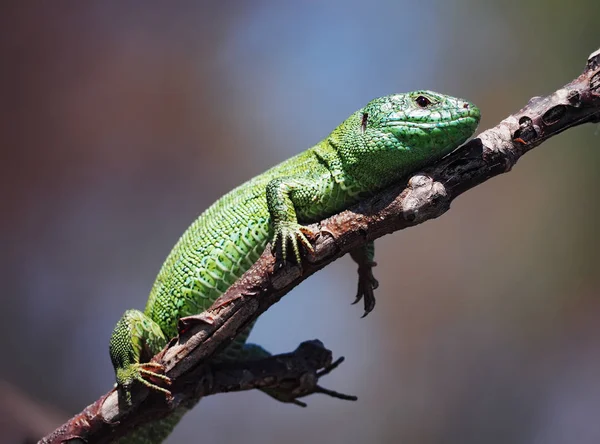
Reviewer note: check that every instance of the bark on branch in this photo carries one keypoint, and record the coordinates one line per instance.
(425, 195)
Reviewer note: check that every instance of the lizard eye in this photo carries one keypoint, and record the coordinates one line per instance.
(363, 123)
(423, 101)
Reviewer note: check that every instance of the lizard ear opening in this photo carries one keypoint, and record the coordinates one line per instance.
(363, 123)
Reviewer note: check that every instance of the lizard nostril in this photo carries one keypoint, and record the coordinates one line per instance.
(465, 105)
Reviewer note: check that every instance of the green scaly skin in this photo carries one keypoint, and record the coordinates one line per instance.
(388, 139)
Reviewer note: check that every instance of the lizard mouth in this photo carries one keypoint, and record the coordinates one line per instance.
(460, 121)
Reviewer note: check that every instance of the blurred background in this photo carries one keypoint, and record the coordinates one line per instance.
(121, 121)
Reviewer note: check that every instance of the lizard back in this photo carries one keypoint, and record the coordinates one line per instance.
(224, 242)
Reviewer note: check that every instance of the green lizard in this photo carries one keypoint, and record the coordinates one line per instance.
(388, 139)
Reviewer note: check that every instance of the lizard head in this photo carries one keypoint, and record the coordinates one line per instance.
(395, 135)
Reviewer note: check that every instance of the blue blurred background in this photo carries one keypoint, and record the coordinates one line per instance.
(121, 121)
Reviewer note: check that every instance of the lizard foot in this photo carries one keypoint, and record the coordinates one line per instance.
(291, 234)
(149, 374)
(366, 284)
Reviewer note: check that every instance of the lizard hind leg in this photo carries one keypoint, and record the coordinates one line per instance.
(135, 339)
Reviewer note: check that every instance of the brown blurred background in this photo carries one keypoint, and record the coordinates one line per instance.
(121, 121)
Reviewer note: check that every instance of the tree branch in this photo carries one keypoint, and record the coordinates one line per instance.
(294, 375)
(426, 195)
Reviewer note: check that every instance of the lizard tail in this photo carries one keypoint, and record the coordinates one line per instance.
(155, 432)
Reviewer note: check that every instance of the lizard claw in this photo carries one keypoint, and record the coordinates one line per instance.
(366, 284)
(291, 234)
(146, 374)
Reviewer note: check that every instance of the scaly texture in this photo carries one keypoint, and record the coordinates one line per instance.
(389, 138)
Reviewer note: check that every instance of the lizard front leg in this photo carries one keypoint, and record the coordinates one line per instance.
(284, 196)
(364, 256)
